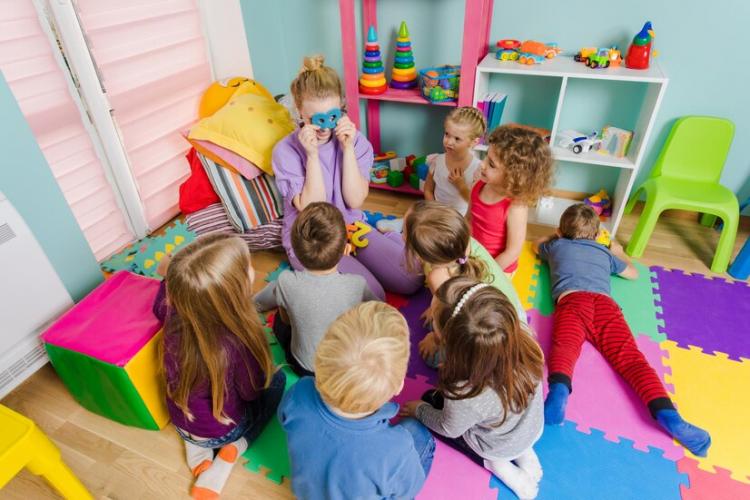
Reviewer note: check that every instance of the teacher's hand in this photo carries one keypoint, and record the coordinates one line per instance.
(308, 138)
(345, 131)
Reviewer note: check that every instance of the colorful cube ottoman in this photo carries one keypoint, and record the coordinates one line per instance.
(105, 351)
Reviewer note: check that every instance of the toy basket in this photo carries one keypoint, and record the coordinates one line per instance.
(440, 83)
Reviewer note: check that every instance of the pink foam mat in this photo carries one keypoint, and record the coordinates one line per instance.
(602, 400)
(112, 323)
(710, 485)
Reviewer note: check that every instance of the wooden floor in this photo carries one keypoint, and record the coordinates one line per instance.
(119, 462)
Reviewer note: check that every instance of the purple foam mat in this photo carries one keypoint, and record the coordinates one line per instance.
(707, 313)
(415, 306)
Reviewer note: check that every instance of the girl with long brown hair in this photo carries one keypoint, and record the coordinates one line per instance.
(221, 387)
(438, 238)
(489, 399)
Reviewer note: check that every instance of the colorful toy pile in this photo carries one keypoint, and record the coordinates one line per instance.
(372, 81)
(440, 84)
(528, 52)
(601, 203)
(404, 74)
(599, 58)
(394, 171)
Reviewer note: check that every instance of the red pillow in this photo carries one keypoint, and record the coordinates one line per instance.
(196, 192)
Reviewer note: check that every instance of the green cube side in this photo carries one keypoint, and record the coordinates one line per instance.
(101, 388)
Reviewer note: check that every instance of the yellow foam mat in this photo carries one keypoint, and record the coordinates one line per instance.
(713, 392)
(143, 370)
(525, 275)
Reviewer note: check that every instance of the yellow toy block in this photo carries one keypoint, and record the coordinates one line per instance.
(710, 391)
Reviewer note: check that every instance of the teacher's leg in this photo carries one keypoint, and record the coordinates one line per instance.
(385, 257)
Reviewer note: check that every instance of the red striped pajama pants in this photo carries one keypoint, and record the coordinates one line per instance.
(597, 318)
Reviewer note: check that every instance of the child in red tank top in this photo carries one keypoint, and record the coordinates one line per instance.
(514, 175)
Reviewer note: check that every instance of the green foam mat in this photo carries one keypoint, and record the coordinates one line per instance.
(637, 301)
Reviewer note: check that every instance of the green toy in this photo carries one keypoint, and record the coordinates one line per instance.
(395, 178)
(414, 181)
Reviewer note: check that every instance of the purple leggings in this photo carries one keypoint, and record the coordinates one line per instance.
(382, 263)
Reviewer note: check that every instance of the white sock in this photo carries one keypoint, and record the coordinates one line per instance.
(529, 462)
(514, 478)
(390, 225)
(198, 458)
(210, 483)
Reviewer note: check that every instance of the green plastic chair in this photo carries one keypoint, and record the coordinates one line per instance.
(686, 177)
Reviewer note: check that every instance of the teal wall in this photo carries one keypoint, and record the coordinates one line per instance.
(27, 181)
(703, 50)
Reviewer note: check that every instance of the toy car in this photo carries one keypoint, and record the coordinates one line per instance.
(533, 52)
(578, 142)
(507, 50)
(599, 58)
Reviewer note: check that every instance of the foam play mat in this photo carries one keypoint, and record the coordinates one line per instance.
(691, 330)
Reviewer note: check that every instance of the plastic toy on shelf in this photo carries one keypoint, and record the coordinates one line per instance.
(404, 74)
(406, 175)
(507, 49)
(533, 52)
(372, 81)
(440, 84)
(601, 203)
(599, 58)
(639, 53)
(579, 142)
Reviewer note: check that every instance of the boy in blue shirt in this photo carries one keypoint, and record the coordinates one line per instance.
(580, 269)
(341, 444)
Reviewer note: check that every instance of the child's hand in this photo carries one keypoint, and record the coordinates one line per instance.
(429, 345)
(345, 131)
(308, 138)
(426, 316)
(456, 178)
(410, 409)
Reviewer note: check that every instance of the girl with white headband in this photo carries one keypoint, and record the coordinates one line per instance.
(489, 401)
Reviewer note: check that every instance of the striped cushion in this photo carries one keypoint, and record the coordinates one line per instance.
(213, 219)
(248, 203)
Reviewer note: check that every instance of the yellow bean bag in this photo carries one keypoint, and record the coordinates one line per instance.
(250, 125)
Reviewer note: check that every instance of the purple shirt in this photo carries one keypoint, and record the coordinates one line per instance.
(242, 370)
(289, 162)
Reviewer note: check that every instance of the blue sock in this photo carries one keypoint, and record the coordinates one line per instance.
(691, 437)
(554, 405)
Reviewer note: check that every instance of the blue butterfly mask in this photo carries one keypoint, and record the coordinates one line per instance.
(326, 120)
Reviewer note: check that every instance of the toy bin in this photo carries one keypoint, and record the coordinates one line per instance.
(440, 84)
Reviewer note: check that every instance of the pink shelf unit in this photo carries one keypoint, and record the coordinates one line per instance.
(477, 21)
(403, 188)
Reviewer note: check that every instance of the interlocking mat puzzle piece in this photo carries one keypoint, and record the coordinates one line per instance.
(453, 476)
(273, 275)
(710, 486)
(637, 298)
(712, 392)
(708, 313)
(412, 311)
(541, 291)
(526, 275)
(602, 400)
(578, 465)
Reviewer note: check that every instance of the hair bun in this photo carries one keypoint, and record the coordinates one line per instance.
(312, 63)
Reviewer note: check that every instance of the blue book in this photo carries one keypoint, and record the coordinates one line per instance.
(497, 110)
(489, 108)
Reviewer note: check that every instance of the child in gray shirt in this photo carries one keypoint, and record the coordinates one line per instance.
(310, 300)
(489, 399)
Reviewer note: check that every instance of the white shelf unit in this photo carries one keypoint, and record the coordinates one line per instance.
(565, 69)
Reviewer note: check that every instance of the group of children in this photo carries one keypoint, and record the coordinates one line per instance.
(352, 350)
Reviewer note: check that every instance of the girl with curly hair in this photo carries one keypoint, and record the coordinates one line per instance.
(515, 174)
